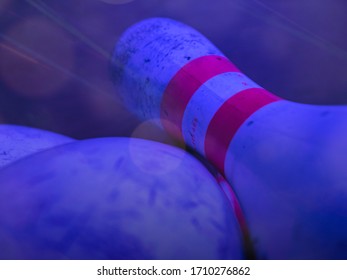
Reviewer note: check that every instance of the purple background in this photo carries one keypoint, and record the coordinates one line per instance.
(54, 55)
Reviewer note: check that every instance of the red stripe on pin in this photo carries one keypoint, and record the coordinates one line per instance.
(228, 119)
(183, 86)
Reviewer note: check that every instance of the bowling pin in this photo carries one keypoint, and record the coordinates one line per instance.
(286, 161)
(114, 198)
(18, 141)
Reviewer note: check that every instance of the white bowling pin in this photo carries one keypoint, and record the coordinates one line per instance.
(286, 161)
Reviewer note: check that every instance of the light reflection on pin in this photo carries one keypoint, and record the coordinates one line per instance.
(150, 131)
(169, 161)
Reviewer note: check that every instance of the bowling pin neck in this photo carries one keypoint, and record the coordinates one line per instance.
(203, 87)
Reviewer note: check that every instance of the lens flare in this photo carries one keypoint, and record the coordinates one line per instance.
(36, 57)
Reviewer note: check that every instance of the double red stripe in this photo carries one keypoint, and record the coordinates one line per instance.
(184, 84)
(228, 118)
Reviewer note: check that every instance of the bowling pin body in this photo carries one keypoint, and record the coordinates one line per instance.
(286, 161)
(18, 141)
(114, 198)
